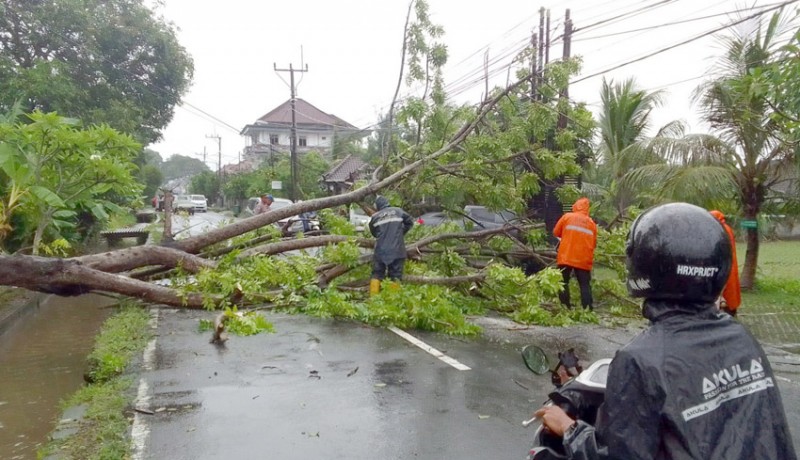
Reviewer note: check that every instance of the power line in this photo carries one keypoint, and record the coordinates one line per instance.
(684, 42)
(666, 24)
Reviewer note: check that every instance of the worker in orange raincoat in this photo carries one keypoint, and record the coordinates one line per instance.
(578, 234)
(732, 293)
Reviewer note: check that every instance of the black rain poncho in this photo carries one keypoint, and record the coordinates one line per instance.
(695, 385)
(389, 225)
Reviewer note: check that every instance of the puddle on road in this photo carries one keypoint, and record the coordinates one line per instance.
(43, 359)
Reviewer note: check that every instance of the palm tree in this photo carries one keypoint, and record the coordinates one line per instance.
(750, 151)
(624, 121)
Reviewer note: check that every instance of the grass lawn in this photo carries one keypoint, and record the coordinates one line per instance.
(772, 309)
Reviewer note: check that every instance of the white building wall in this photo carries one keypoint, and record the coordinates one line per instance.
(313, 138)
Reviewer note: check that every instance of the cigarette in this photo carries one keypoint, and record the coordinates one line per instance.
(529, 421)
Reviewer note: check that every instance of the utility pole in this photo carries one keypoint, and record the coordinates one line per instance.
(219, 150)
(293, 137)
(562, 117)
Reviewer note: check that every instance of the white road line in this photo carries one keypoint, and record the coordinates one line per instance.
(140, 431)
(429, 349)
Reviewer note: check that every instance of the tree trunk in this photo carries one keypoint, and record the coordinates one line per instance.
(748, 277)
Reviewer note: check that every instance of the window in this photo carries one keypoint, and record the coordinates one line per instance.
(302, 141)
(273, 139)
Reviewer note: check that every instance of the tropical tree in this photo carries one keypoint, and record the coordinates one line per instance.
(752, 148)
(53, 173)
(103, 61)
(624, 122)
(179, 165)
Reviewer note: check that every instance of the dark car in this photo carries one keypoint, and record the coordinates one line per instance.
(474, 218)
(437, 218)
(481, 218)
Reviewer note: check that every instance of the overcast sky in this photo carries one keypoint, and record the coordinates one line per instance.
(352, 50)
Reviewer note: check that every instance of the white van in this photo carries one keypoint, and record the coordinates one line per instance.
(199, 202)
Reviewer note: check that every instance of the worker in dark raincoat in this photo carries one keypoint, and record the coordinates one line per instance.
(695, 384)
(388, 225)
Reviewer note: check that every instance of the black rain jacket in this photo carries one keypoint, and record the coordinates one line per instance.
(694, 385)
(389, 226)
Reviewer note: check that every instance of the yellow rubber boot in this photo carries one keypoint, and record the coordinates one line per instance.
(394, 285)
(374, 286)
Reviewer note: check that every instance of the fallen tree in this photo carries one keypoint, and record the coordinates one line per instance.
(499, 153)
(101, 272)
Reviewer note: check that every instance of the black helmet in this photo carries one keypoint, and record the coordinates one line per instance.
(677, 251)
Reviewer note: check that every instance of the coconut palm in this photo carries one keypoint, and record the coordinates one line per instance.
(747, 157)
(624, 122)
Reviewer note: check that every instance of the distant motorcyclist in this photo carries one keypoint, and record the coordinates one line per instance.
(694, 385)
(389, 226)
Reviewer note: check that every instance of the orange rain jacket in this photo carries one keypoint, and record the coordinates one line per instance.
(732, 292)
(578, 234)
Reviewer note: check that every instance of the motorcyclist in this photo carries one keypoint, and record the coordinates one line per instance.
(695, 384)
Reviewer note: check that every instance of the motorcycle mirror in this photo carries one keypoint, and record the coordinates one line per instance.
(535, 359)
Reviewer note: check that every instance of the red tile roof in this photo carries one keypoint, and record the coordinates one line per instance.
(305, 114)
(343, 171)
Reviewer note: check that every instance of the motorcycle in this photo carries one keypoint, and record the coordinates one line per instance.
(579, 392)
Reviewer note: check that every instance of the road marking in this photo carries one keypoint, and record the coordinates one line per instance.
(140, 431)
(429, 349)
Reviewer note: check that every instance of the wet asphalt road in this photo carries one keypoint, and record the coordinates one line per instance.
(327, 389)
(320, 388)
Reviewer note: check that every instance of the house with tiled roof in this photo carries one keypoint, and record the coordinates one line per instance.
(270, 135)
(344, 174)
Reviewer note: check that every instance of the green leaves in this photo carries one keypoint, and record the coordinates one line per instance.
(112, 62)
(53, 170)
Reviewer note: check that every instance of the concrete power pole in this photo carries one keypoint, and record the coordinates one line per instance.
(562, 118)
(293, 137)
(219, 161)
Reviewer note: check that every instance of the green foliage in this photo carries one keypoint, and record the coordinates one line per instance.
(181, 166)
(311, 166)
(335, 223)
(242, 323)
(282, 281)
(331, 303)
(430, 308)
(610, 251)
(59, 178)
(346, 254)
(111, 61)
(447, 263)
(205, 183)
(152, 178)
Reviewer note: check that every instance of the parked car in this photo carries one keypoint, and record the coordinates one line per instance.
(474, 218)
(183, 203)
(481, 218)
(278, 203)
(200, 202)
(437, 218)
